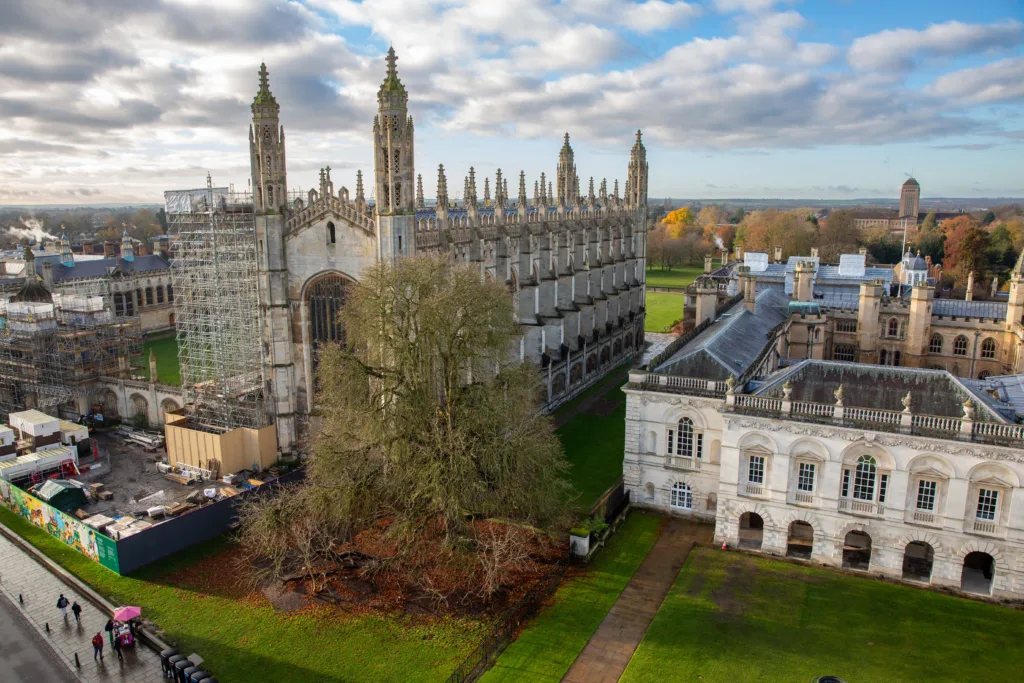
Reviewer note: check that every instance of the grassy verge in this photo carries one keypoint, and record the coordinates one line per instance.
(677, 277)
(166, 351)
(243, 638)
(663, 309)
(594, 446)
(547, 648)
(732, 617)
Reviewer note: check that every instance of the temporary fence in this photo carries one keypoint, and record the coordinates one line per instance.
(128, 553)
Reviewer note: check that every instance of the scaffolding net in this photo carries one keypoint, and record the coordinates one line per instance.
(217, 311)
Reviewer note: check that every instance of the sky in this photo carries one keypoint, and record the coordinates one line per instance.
(119, 100)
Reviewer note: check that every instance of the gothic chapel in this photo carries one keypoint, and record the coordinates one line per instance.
(574, 264)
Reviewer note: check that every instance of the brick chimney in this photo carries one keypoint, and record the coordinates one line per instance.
(109, 249)
(141, 249)
(87, 247)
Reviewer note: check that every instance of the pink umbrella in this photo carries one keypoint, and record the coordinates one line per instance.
(126, 613)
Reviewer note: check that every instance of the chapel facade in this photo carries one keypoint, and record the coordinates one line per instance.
(574, 264)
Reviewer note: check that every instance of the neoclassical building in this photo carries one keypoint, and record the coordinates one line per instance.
(907, 472)
(574, 263)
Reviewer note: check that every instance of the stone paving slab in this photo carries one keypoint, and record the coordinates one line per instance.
(612, 646)
(21, 575)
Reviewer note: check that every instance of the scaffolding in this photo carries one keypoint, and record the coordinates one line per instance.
(217, 312)
(51, 352)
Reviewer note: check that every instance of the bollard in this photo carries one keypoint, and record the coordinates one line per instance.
(47, 627)
(78, 664)
(21, 600)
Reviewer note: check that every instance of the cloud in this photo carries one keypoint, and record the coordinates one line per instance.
(901, 48)
(1001, 81)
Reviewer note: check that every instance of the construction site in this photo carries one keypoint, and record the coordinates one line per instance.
(54, 346)
(225, 425)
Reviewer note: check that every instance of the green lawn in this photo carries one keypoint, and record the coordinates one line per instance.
(547, 648)
(732, 617)
(166, 350)
(677, 277)
(663, 309)
(594, 445)
(244, 639)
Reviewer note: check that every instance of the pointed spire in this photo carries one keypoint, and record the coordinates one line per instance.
(66, 257)
(543, 190)
(442, 189)
(487, 191)
(263, 96)
(419, 191)
(504, 189)
(471, 187)
(127, 246)
(551, 192)
(523, 201)
(604, 191)
(536, 194)
(591, 199)
(615, 193)
(499, 190)
(360, 198)
(392, 89)
(636, 180)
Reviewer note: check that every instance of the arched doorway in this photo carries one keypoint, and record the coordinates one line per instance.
(558, 384)
(801, 540)
(979, 570)
(140, 411)
(918, 557)
(857, 550)
(751, 530)
(106, 404)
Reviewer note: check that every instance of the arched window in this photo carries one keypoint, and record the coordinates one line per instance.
(685, 442)
(988, 348)
(682, 496)
(894, 327)
(864, 478)
(149, 296)
(883, 357)
(896, 358)
(159, 294)
(170, 294)
(935, 344)
(960, 346)
(326, 297)
(330, 233)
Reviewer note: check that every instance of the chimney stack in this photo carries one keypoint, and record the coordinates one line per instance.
(109, 249)
(970, 286)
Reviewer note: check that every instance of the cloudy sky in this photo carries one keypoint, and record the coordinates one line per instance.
(118, 100)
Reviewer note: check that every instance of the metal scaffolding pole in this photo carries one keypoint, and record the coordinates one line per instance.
(217, 311)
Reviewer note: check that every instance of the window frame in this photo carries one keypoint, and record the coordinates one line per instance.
(681, 491)
(988, 348)
(761, 466)
(802, 467)
(960, 345)
(934, 347)
(989, 497)
(686, 440)
(921, 494)
(844, 352)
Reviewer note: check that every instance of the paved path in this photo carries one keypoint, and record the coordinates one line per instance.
(21, 575)
(24, 656)
(611, 647)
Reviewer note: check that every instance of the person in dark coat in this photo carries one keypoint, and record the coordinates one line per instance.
(62, 605)
(76, 609)
(117, 649)
(109, 628)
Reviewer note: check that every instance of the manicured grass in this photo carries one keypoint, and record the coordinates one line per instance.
(732, 617)
(594, 446)
(677, 277)
(166, 351)
(663, 309)
(548, 646)
(245, 639)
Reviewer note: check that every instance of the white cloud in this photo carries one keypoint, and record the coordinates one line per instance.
(1000, 81)
(749, 6)
(899, 48)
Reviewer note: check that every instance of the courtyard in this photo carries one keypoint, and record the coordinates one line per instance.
(731, 616)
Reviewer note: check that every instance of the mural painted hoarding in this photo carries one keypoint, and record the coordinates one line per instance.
(64, 528)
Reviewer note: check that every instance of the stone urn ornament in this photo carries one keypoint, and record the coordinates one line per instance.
(838, 393)
(787, 390)
(906, 401)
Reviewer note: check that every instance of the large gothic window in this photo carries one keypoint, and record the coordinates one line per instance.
(326, 297)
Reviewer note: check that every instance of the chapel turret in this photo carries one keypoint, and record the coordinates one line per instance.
(393, 145)
(567, 182)
(636, 179)
(266, 150)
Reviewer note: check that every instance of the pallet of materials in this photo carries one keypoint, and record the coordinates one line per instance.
(178, 478)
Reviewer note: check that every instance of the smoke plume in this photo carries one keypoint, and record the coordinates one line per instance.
(33, 231)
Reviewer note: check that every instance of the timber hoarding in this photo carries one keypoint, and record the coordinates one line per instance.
(61, 526)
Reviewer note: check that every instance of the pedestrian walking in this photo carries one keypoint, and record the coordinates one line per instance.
(117, 649)
(97, 646)
(109, 628)
(76, 609)
(62, 605)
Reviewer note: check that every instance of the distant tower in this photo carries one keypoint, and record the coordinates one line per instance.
(910, 199)
(636, 180)
(567, 183)
(127, 247)
(393, 165)
(66, 257)
(266, 151)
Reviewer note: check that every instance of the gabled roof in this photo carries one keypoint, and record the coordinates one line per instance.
(970, 309)
(732, 343)
(105, 267)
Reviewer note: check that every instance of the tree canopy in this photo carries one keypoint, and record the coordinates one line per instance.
(426, 426)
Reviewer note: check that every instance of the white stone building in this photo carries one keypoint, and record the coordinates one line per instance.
(909, 473)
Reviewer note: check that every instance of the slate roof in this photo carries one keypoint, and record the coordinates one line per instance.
(732, 343)
(1005, 393)
(970, 309)
(103, 267)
